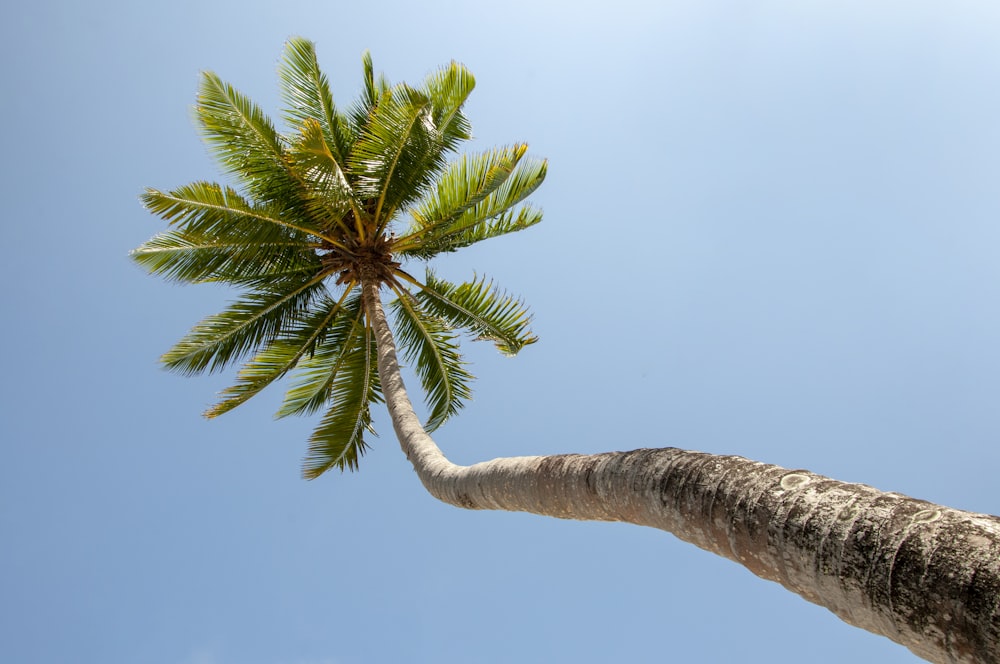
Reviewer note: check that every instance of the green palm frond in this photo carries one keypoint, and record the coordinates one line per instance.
(508, 222)
(430, 346)
(338, 441)
(244, 141)
(477, 306)
(390, 156)
(374, 88)
(306, 93)
(465, 183)
(211, 209)
(221, 237)
(449, 88)
(330, 196)
(249, 323)
(440, 128)
(190, 257)
(441, 223)
(281, 355)
(315, 375)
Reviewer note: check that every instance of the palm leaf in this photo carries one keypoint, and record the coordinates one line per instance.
(307, 96)
(190, 257)
(459, 237)
(249, 323)
(245, 142)
(374, 88)
(465, 183)
(489, 217)
(280, 356)
(210, 209)
(390, 155)
(315, 374)
(441, 130)
(338, 441)
(485, 311)
(330, 196)
(430, 346)
(448, 89)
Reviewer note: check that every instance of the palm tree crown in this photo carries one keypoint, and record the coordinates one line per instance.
(340, 204)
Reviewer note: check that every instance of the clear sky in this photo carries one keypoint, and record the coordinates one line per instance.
(772, 229)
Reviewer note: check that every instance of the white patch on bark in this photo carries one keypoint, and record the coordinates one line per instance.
(793, 481)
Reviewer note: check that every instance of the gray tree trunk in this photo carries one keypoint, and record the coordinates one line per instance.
(923, 575)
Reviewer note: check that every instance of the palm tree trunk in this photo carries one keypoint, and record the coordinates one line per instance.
(925, 576)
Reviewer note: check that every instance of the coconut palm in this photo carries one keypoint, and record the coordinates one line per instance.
(322, 223)
(328, 219)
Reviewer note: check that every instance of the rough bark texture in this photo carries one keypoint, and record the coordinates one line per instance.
(926, 576)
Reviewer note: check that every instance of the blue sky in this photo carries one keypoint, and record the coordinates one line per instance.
(771, 230)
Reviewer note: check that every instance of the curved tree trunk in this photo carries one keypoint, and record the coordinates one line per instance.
(926, 576)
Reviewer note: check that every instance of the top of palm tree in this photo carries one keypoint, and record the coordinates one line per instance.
(344, 199)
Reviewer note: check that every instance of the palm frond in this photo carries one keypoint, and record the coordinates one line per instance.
(191, 257)
(248, 324)
(489, 217)
(281, 355)
(466, 182)
(458, 237)
(330, 196)
(429, 345)
(244, 141)
(448, 89)
(390, 156)
(477, 306)
(315, 375)
(307, 97)
(211, 209)
(374, 88)
(338, 441)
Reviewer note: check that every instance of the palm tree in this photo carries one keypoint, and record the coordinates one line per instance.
(310, 238)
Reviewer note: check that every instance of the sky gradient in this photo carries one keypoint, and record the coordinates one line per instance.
(771, 229)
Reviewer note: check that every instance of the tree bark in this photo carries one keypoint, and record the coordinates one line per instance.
(923, 575)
